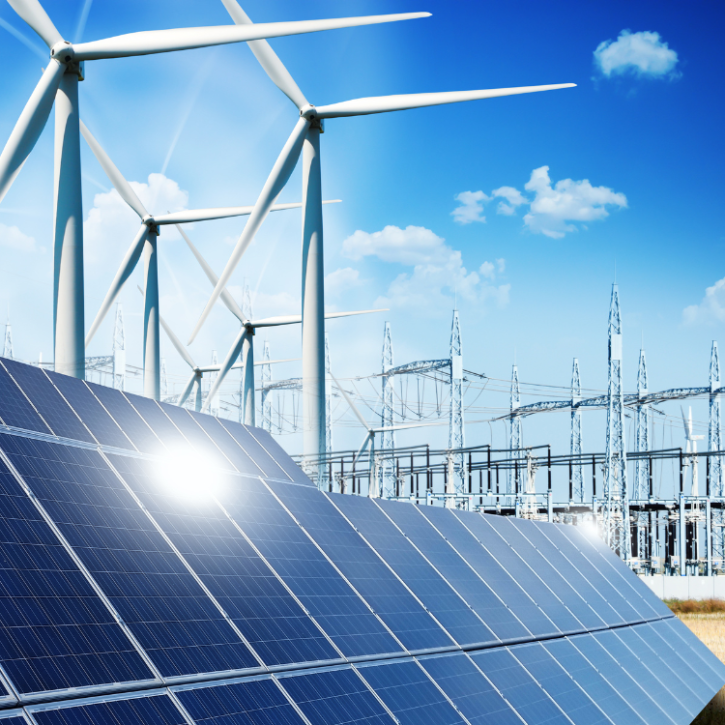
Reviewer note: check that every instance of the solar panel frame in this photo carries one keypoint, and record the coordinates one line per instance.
(413, 569)
(48, 401)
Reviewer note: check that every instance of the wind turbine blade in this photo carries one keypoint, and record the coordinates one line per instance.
(364, 445)
(275, 362)
(187, 390)
(114, 175)
(352, 405)
(383, 104)
(165, 41)
(688, 431)
(268, 59)
(29, 126)
(124, 272)
(223, 212)
(333, 315)
(276, 321)
(226, 366)
(283, 168)
(32, 12)
(177, 344)
(226, 298)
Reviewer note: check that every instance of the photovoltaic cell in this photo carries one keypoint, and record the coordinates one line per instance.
(410, 695)
(159, 600)
(437, 595)
(487, 529)
(92, 413)
(159, 710)
(302, 566)
(458, 573)
(585, 615)
(256, 601)
(489, 569)
(16, 410)
(226, 444)
(280, 455)
(470, 691)
(259, 702)
(620, 680)
(534, 532)
(518, 687)
(159, 423)
(48, 401)
(362, 567)
(269, 467)
(13, 720)
(592, 682)
(127, 418)
(55, 632)
(334, 698)
(560, 687)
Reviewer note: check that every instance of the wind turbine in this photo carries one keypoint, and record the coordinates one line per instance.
(244, 342)
(59, 84)
(145, 242)
(691, 448)
(305, 141)
(373, 489)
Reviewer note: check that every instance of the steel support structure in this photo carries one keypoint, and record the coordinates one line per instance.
(266, 391)
(119, 350)
(214, 404)
(615, 513)
(328, 397)
(642, 465)
(577, 471)
(515, 475)
(8, 344)
(456, 435)
(716, 546)
(385, 464)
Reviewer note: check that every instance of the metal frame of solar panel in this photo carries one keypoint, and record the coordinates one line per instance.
(261, 600)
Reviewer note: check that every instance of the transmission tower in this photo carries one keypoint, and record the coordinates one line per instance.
(266, 392)
(456, 437)
(8, 346)
(641, 467)
(715, 444)
(515, 477)
(577, 472)
(214, 404)
(328, 397)
(385, 470)
(119, 350)
(164, 384)
(247, 301)
(615, 504)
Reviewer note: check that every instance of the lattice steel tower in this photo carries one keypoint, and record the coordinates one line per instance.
(266, 392)
(119, 350)
(164, 387)
(577, 473)
(385, 468)
(615, 513)
(456, 435)
(641, 465)
(328, 397)
(8, 345)
(214, 405)
(515, 475)
(716, 474)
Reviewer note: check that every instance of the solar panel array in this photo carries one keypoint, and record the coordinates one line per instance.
(255, 598)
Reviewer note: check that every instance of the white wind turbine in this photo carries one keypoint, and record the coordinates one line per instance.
(244, 342)
(691, 448)
(145, 242)
(59, 84)
(369, 440)
(305, 141)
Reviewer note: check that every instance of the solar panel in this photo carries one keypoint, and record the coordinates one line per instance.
(121, 570)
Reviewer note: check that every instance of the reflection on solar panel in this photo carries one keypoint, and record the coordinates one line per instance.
(133, 590)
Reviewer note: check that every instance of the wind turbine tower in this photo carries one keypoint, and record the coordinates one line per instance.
(616, 506)
(385, 469)
(456, 437)
(119, 350)
(576, 435)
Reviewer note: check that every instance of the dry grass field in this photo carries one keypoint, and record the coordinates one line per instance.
(707, 620)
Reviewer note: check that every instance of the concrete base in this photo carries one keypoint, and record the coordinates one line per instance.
(686, 587)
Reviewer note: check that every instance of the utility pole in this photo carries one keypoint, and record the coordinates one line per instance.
(616, 504)
(576, 435)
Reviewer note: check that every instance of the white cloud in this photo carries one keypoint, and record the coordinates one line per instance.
(487, 270)
(13, 238)
(341, 280)
(712, 307)
(513, 198)
(501, 264)
(111, 224)
(555, 207)
(471, 209)
(643, 53)
(410, 246)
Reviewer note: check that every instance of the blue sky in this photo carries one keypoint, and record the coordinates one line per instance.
(643, 128)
